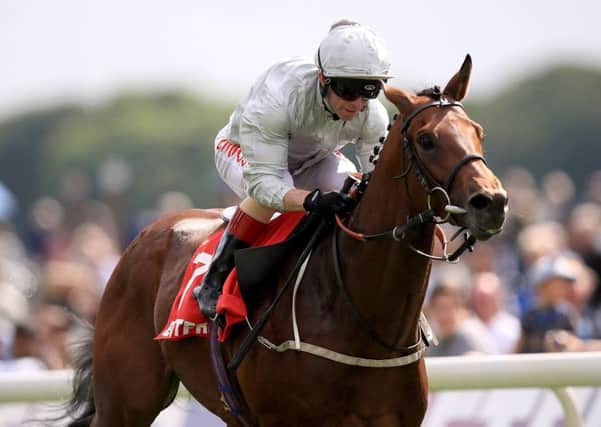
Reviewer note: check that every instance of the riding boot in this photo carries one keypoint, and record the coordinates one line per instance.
(241, 232)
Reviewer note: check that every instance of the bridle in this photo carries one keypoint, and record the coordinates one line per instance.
(398, 233)
(431, 185)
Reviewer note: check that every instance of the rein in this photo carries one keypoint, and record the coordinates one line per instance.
(358, 316)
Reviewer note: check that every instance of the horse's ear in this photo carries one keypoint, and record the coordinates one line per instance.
(459, 84)
(401, 99)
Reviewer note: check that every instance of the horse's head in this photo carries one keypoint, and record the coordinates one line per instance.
(443, 146)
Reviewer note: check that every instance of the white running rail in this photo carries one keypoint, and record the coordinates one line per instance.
(554, 371)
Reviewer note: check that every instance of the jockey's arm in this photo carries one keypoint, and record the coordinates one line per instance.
(264, 129)
(264, 143)
(327, 203)
(293, 199)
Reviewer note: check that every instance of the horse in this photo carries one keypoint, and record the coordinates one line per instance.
(429, 169)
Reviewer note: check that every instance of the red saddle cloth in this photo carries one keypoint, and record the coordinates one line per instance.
(185, 319)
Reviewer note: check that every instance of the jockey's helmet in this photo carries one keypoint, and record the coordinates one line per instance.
(351, 50)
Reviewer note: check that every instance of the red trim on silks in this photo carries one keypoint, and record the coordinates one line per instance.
(231, 150)
(245, 227)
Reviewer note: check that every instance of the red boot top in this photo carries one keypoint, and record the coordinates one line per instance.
(244, 227)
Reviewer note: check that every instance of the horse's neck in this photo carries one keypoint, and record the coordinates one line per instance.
(386, 279)
(393, 194)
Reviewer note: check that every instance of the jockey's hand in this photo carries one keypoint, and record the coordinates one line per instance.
(328, 204)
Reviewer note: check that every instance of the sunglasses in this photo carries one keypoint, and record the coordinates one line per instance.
(351, 89)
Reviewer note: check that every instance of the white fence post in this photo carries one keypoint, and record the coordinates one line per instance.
(570, 409)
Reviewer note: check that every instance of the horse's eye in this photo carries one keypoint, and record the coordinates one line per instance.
(426, 141)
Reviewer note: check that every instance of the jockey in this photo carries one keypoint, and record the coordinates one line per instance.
(283, 139)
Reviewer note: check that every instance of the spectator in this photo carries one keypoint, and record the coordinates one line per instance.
(558, 192)
(594, 187)
(541, 239)
(534, 242)
(15, 282)
(588, 320)
(8, 203)
(92, 247)
(55, 324)
(566, 341)
(448, 313)
(551, 278)
(487, 301)
(584, 232)
(25, 350)
(47, 236)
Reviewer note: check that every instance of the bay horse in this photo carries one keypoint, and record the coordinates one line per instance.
(431, 161)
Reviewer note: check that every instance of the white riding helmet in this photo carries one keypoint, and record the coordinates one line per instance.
(353, 51)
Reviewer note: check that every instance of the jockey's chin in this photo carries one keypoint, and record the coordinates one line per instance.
(346, 110)
(347, 114)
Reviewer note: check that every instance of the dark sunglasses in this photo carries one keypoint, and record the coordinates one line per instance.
(351, 89)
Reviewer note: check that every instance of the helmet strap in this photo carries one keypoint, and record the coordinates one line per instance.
(323, 89)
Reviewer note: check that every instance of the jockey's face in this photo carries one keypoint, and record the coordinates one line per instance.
(346, 110)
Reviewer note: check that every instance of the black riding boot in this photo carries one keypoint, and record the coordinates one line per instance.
(223, 261)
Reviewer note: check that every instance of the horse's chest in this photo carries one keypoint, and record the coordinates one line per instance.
(319, 392)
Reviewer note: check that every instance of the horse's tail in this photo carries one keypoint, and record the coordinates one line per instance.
(81, 407)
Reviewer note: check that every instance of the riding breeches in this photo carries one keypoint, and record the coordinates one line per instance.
(328, 174)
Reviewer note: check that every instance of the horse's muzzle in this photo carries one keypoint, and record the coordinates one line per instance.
(486, 211)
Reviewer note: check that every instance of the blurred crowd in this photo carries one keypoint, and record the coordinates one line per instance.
(53, 269)
(534, 288)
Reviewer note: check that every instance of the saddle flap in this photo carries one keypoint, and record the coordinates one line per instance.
(259, 266)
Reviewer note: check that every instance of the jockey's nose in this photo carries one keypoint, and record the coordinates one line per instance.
(360, 103)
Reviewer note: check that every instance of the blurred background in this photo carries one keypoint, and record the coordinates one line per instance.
(108, 111)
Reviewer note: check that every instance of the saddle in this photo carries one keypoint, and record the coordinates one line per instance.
(256, 267)
(259, 266)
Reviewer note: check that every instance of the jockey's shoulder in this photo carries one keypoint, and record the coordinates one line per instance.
(289, 82)
(290, 75)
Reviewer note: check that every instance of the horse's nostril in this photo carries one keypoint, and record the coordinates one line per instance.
(480, 201)
(499, 201)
